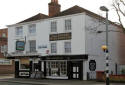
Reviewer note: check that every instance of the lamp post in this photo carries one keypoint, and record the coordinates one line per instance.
(105, 47)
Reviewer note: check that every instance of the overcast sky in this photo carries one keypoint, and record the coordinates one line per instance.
(13, 11)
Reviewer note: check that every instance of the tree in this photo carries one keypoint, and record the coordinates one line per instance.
(119, 6)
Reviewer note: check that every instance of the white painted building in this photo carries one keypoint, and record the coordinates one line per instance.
(62, 45)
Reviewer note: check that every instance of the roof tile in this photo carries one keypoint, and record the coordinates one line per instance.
(36, 17)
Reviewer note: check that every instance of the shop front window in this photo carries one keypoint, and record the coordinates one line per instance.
(24, 64)
(56, 68)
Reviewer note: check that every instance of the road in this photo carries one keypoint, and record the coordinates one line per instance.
(21, 83)
(12, 83)
(10, 80)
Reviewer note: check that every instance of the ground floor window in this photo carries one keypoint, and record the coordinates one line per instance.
(56, 68)
(5, 62)
(24, 64)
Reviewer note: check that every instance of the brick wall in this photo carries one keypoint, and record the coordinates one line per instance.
(121, 48)
(3, 31)
(3, 39)
(7, 69)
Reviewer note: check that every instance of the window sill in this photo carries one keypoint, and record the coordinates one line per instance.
(32, 35)
(53, 32)
(19, 36)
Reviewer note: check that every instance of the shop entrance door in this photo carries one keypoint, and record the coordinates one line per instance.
(77, 70)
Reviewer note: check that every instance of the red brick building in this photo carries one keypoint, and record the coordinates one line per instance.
(6, 66)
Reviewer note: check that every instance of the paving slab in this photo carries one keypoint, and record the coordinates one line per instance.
(18, 81)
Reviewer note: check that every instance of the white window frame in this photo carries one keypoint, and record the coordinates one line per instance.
(65, 47)
(68, 27)
(3, 48)
(55, 62)
(29, 46)
(55, 47)
(51, 27)
(4, 35)
(17, 31)
(32, 29)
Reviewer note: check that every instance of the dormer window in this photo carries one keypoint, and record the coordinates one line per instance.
(32, 29)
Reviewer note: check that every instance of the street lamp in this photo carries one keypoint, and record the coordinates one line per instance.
(105, 47)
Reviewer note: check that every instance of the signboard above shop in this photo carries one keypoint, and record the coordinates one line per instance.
(20, 45)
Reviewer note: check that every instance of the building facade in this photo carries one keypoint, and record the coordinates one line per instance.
(65, 45)
(6, 65)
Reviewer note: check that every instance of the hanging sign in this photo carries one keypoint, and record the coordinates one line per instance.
(20, 45)
(92, 65)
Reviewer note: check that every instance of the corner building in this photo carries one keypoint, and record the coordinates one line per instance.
(63, 45)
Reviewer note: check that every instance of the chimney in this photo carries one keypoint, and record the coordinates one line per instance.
(54, 8)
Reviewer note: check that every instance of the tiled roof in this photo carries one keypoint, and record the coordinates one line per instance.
(77, 9)
(73, 10)
(36, 17)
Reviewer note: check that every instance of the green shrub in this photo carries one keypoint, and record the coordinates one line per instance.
(123, 71)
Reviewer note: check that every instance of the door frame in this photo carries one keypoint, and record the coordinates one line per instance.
(78, 64)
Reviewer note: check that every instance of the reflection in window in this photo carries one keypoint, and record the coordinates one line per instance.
(32, 44)
(54, 26)
(19, 31)
(3, 34)
(56, 68)
(68, 24)
(24, 64)
(53, 48)
(32, 29)
(67, 46)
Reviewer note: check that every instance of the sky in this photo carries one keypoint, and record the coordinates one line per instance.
(13, 11)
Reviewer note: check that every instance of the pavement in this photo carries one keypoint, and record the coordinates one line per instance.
(19, 81)
(5, 76)
(10, 80)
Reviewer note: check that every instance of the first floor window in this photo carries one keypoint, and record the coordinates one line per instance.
(3, 34)
(67, 46)
(32, 45)
(53, 48)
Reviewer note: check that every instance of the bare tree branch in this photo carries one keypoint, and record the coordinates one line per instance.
(116, 5)
(122, 2)
(120, 10)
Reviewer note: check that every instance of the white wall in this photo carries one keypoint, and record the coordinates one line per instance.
(11, 40)
(41, 37)
(95, 40)
(78, 34)
(43, 31)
